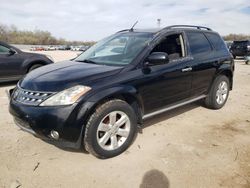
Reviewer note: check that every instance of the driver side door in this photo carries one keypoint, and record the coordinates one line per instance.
(10, 64)
(170, 83)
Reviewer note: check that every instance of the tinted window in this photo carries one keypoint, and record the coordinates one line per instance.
(198, 43)
(3, 50)
(217, 42)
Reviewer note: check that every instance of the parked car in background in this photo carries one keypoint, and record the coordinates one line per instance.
(64, 47)
(240, 48)
(83, 48)
(14, 63)
(37, 48)
(50, 48)
(98, 101)
(75, 48)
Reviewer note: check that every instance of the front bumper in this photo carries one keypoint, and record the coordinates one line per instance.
(68, 121)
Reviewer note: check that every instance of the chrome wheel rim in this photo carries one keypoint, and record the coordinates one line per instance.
(221, 93)
(113, 130)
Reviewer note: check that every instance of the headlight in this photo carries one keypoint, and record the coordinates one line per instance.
(48, 56)
(66, 97)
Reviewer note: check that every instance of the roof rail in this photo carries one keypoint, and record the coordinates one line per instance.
(191, 26)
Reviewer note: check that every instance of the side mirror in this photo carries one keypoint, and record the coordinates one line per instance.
(12, 52)
(158, 58)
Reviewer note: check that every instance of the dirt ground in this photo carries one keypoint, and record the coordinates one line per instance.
(188, 147)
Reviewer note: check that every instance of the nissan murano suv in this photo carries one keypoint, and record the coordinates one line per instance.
(99, 99)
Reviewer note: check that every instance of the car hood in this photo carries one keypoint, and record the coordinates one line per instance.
(59, 76)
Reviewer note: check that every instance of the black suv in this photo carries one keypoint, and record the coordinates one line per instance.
(240, 48)
(98, 99)
(14, 63)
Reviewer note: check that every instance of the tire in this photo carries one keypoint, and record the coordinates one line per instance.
(104, 137)
(247, 62)
(33, 67)
(218, 93)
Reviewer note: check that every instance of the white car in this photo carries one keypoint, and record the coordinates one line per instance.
(51, 48)
(75, 48)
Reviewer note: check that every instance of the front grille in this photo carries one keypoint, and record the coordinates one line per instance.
(28, 97)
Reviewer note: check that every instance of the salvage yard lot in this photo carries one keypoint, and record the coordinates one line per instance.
(188, 147)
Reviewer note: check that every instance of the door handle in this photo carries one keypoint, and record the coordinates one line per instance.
(187, 69)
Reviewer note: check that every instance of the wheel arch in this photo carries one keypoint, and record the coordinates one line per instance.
(228, 73)
(35, 62)
(126, 93)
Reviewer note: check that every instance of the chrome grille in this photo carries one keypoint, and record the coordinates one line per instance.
(27, 97)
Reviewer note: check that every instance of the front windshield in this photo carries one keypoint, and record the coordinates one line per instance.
(119, 49)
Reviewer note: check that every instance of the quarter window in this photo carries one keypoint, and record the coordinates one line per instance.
(198, 43)
(217, 42)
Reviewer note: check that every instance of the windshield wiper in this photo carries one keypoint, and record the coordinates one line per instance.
(87, 61)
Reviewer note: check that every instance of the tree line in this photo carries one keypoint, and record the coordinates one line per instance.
(13, 35)
(233, 37)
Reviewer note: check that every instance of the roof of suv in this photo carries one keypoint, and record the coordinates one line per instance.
(173, 27)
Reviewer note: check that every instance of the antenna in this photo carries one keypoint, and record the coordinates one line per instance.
(159, 23)
(132, 28)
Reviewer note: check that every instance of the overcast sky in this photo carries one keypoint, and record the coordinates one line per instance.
(95, 19)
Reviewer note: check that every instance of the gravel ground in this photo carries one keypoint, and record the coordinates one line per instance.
(188, 147)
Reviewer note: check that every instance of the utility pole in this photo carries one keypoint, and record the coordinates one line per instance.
(159, 22)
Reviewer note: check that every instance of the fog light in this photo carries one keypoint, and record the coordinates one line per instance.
(54, 134)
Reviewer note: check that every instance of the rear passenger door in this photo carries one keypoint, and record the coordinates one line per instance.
(204, 65)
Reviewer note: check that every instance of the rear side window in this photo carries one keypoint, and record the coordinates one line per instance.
(3, 50)
(216, 41)
(198, 43)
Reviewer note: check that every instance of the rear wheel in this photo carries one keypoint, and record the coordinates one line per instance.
(33, 67)
(218, 93)
(110, 129)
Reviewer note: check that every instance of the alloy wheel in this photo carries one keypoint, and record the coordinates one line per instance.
(113, 130)
(222, 92)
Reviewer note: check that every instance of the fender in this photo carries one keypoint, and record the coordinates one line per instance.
(43, 60)
(89, 103)
(129, 93)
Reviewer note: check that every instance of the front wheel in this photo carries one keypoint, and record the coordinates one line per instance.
(110, 129)
(218, 93)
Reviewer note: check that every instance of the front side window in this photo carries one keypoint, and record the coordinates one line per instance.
(173, 45)
(198, 43)
(3, 50)
(119, 49)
